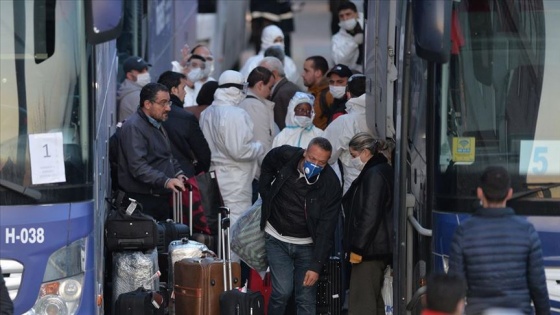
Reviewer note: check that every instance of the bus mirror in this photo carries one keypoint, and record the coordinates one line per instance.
(103, 20)
(432, 29)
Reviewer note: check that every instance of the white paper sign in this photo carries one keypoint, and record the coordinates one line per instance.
(47, 158)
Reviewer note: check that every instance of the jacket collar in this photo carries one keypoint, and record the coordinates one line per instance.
(494, 212)
(375, 160)
(156, 124)
(175, 100)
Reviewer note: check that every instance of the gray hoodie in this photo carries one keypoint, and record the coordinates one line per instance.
(128, 97)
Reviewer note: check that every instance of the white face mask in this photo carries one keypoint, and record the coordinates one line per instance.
(209, 68)
(357, 163)
(348, 25)
(303, 121)
(337, 91)
(195, 74)
(143, 78)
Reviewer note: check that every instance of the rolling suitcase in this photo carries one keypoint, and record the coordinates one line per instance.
(178, 215)
(140, 302)
(199, 283)
(134, 269)
(329, 288)
(233, 301)
(169, 231)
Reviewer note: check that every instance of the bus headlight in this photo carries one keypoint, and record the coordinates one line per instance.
(61, 289)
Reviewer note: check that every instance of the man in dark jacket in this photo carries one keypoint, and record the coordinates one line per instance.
(498, 253)
(188, 144)
(147, 170)
(301, 202)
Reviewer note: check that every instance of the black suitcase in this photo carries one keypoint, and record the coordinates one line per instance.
(329, 288)
(140, 302)
(233, 301)
(135, 231)
(169, 231)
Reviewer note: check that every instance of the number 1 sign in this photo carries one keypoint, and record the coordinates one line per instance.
(47, 158)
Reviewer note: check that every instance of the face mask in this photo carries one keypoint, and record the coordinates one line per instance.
(195, 75)
(357, 163)
(311, 169)
(209, 68)
(337, 91)
(143, 78)
(348, 25)
(303, 121)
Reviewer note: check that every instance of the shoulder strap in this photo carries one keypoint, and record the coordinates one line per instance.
(251, 96)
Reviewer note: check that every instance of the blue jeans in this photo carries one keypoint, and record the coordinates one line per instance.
(288, 265)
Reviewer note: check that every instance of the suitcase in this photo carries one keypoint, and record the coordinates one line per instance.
(134, 230)
(264, 286)
(140, 302)
(233, 301)
(329, 288)
(199, 283)
(134, 269)
(182, 249)
(169, 231)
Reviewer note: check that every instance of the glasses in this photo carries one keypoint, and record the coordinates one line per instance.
(302, 111)
(193, 65)
(162, 103)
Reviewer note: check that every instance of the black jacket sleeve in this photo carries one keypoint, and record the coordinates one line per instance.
(6, 304)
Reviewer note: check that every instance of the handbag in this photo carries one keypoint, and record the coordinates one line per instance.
(206, 202)
(247, 239)
(127, 228)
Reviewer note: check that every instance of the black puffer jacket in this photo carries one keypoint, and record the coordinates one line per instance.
(323, 200)
(368, 209)
(500, 256)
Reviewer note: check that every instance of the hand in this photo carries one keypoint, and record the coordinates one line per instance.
(310, 279)
(183, 178)
(355, 258)
(359, 38)
(175, 184)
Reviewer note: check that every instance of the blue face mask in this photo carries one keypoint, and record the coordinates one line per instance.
(311, 169)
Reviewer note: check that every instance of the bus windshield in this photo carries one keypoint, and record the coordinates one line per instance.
(44, 121)
(498, 98)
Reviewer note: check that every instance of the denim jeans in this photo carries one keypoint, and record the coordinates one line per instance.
(288, 265)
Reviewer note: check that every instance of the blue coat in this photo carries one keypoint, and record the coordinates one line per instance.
(499, 254)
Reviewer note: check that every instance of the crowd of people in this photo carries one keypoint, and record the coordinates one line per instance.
(301, 143)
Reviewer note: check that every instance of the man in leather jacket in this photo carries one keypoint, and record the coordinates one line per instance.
(301, 202)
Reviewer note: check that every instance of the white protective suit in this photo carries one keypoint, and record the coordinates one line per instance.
(341, 130)
(235, 155)
(293, 134)
(269, 33)
(344, 48)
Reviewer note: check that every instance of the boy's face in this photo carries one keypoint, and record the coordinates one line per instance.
(347, 14)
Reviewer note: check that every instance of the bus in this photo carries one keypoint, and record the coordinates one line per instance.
(59, 73)
(462, 85)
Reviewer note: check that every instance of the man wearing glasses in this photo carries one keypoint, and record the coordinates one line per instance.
(147, 170)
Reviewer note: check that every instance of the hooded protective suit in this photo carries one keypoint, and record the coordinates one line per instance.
(296, 134)
(267, 39)
(235, 155)
(345, 47)
(341, 130)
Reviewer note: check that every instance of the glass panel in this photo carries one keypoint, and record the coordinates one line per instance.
(498, 94)
(43, 97)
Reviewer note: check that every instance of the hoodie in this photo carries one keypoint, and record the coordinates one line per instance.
(128, 97)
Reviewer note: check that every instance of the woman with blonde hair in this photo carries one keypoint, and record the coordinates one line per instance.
(368, 228)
